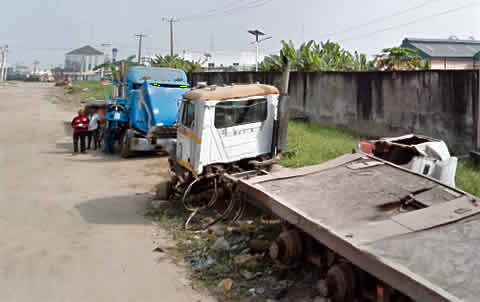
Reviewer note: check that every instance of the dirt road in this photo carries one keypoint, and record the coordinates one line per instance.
(71, 226)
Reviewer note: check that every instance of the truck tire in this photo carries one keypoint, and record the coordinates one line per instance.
(125, 146)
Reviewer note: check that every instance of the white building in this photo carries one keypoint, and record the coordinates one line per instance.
(228, 60)
(79, 63)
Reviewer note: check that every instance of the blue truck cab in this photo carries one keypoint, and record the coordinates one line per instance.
(148, 108)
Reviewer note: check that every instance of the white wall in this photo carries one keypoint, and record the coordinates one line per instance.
(451, 64)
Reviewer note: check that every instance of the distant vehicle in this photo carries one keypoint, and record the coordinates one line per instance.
(146, 108)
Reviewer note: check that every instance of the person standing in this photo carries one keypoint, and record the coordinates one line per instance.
(94, 120)
(80, 128)
(110, 134)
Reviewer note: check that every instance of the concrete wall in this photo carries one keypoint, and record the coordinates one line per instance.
(441, 104)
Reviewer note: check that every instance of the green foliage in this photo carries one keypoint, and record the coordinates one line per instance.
(400, 58)
(468, 177)
(176, 62)
(311, 56)
(94, 90)
(118, 73)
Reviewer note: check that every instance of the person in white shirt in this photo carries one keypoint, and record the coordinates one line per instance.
(94, 119)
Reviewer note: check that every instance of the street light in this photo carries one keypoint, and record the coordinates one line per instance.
(257, 41)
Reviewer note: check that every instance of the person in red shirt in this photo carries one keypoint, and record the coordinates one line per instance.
(80, 130)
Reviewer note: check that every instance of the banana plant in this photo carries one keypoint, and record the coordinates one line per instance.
(400, 58)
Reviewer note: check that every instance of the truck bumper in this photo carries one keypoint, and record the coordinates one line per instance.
(141, 144)
(144, 144)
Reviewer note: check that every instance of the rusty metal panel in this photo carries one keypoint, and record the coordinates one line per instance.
(436, 195)
(448, 256)
(398, 277)
(344, 209)
(439, 214)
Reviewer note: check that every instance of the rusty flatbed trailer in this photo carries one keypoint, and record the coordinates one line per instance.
(409, 231)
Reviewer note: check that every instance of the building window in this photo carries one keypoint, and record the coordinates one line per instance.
(229, 114)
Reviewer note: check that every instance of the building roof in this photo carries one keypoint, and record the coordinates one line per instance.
(229, 92)
(444, 48)
(86, 50)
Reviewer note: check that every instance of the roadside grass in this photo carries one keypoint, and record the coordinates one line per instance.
(468, 177)
(316, 144)
(94, 90)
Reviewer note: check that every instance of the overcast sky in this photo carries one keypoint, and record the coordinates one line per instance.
(45, 30)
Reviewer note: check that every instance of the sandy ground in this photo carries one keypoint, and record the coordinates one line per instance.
(72, 227)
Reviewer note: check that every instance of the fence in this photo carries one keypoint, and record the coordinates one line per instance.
(441, 104)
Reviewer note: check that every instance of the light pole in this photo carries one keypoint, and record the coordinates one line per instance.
(257, 41)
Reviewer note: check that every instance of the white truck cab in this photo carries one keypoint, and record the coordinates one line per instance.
(223, 125)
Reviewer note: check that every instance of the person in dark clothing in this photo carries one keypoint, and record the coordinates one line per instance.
(80, 128)
(110, 133)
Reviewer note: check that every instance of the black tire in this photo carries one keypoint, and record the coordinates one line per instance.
(125, 146)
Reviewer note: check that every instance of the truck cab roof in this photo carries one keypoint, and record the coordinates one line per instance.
(229, 92)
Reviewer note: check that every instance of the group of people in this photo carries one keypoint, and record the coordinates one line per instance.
(86, 127)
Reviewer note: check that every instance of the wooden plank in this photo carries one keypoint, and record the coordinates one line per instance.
(439, 214)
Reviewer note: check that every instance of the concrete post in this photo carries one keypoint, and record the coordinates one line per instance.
(476, 107)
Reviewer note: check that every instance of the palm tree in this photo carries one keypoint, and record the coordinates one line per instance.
(119, 69)
(176, 62)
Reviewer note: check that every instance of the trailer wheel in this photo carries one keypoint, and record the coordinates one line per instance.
(287, 249)
(125, 146)
(341, 284)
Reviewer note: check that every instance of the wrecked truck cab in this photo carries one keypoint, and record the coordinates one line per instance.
(421, 154)
(225, 125)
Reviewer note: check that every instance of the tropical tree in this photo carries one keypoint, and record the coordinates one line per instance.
(119, 69)
(176, 62)
(400, 58)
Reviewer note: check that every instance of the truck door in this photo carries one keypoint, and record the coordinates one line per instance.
(187, 138)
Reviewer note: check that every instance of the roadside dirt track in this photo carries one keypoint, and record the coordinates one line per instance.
(73, 226)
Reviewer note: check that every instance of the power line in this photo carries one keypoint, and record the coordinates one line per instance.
(193, 16)
(379, 19)
(449, 11)
(231, 10)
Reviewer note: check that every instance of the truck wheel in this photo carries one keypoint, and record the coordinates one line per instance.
(125, 146)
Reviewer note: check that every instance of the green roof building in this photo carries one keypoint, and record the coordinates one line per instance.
(447, 53)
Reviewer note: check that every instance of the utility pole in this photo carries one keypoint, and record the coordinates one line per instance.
(257, 33)
(140, 37)
(171, 21)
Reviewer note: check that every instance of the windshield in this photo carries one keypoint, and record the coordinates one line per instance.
(158, 75)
